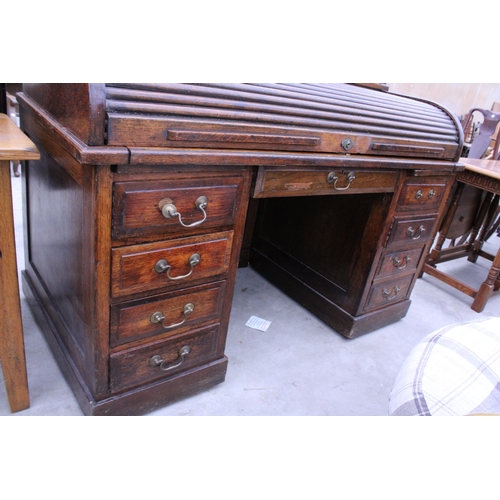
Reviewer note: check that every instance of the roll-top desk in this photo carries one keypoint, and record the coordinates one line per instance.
(148, 197)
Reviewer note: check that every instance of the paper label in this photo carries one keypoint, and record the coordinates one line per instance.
(258, 323)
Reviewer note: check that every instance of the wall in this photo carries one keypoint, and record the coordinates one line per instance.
(457, 97)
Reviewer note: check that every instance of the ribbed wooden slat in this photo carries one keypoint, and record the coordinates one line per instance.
(334, 108)
(337, 113)
(270, 93)
(381, 100)
(233, 98)
(214, 113)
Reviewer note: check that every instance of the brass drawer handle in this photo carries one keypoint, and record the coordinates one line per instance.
(158, 361)
(419, 194)
(331, 177)
(415, 235)
(387, 293)
(396, 262)
(158, 316)
(162, 266)
(169, 210)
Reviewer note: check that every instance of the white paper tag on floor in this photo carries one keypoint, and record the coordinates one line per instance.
(258, 323)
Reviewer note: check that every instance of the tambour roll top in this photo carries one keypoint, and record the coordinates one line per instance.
(320, 118)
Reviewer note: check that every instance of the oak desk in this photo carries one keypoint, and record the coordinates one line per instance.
(14, 146)
(485, 175)
(138, 217)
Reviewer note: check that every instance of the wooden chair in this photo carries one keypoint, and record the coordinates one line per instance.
(14, 146)
(472, 213)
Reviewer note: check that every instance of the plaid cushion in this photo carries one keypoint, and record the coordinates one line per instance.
(453, 371)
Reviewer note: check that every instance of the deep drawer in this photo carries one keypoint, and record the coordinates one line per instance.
(275, 182)
(150, 208)
(395, 263)
(180, 310)
(381, 294)
(139, 268)
(408, 230)
(159, 360)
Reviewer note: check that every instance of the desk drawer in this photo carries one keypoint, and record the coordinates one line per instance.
(140, 268)
(159, 360)
(386, 292)
(421, 194)
(409, 230)
(395, 263)
(137, 209)
(273, 182)
(180, 310)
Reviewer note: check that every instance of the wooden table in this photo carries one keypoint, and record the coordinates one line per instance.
(14, 146)
(485, 175)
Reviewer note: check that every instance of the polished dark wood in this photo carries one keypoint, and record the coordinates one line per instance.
(332, 191)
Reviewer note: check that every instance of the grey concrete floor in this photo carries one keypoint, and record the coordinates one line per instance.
(298, 367)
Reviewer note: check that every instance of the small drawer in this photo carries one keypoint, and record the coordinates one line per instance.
(139, 268)
(136, 366)
(392, 263)
(409, 230)
(165, 207)
(383, 294)
(422, 194)
(273, 182)
(166, 315)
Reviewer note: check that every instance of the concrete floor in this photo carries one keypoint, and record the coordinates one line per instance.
(299, 366)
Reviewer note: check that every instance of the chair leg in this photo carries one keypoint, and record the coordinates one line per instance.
(487, 286)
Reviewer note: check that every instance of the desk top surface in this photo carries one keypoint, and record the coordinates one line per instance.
(14, 144)
(490, 168)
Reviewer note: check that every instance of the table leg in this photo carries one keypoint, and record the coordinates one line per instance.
(12, 353)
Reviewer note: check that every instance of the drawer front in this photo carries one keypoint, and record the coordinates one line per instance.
(159, 360)
(409, 230)
(423, 195)
(164, 207)
(139, 268)
(394, 263)
(276, 182)
(383, 294)
(166, 315)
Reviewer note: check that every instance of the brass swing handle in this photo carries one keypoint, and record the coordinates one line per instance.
(158, 361)
(332, 178)
(386, 293)
(169, 210)
(158, 316)
(162, 266)
(415, 235)
(397, 262)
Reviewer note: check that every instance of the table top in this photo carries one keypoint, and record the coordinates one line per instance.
(490, 168)
(14, 144)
